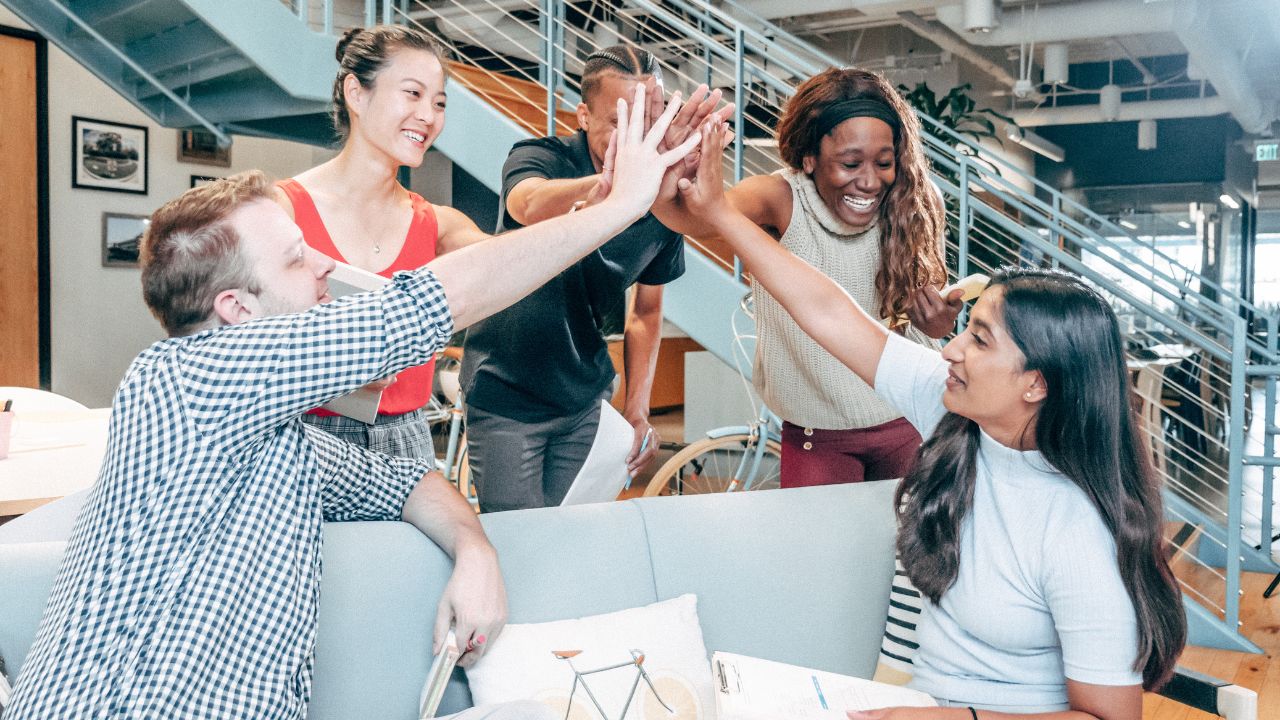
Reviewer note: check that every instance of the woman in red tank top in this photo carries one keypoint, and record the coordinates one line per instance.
(389, 107)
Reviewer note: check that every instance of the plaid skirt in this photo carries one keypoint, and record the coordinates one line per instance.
(406, 435)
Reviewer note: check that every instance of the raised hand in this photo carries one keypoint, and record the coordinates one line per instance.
(636, 162)
(933, 314)
(604, 184)
(704, 195)
(694, 114)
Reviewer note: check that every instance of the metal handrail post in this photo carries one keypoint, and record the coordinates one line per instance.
(328, 17)
(1056, 235)
(739, 77)
(1235, 481)
(546, 69)
(386, 12)
(1269, 447)
(302, 9)
(370, 12)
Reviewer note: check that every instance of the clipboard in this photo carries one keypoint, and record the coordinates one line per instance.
(438, 677)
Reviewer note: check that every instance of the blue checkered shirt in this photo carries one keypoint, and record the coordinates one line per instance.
(190, 583)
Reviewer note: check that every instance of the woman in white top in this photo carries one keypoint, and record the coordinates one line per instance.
(855, 202)
(1032, 520)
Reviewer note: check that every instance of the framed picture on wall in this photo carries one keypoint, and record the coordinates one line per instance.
(202, 180)
(201, 147)
(108, 156)
(122, 239)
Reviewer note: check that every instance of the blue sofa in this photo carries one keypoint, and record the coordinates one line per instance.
(799, 576)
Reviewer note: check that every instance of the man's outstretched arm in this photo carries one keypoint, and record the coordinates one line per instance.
(482, 279)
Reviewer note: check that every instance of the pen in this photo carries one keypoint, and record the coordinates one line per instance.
(645, 443)
(818, 687)
(473, 643)
(9, 404)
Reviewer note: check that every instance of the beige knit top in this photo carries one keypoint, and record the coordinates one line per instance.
(804, 384)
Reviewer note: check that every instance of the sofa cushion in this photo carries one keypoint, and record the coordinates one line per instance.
(382, 582)
(800, 576)
(520, 665)
(27, 571)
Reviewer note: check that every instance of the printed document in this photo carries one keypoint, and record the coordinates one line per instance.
(604, 474)
(749, 688)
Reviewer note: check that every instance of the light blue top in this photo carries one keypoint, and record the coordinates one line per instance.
(1038, 596)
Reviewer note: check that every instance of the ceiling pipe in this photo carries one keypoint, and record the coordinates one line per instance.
(1072, 21)
(1202, 34)
(1209, 46)
(1129, 111)
(951, 42)
(770, 9)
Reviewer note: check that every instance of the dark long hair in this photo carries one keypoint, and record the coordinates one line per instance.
(364, 52)
(1086, 429)
(912, 218)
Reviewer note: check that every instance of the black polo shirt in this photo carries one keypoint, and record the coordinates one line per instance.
(545, 356)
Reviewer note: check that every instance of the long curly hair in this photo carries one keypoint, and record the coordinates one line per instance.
(1086, 429)
(912, 219)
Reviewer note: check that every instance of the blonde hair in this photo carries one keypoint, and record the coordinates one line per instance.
(190, 253)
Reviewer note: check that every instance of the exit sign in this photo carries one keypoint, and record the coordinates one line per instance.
(1263, 152)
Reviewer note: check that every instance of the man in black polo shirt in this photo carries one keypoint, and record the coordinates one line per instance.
(534, 374)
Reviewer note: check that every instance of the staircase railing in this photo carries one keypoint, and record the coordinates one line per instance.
(1195, 411)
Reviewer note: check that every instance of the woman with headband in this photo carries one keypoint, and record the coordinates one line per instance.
(856, 203)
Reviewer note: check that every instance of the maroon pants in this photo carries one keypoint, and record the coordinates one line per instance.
(829, 457)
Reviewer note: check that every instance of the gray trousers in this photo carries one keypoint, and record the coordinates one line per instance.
(517, 465)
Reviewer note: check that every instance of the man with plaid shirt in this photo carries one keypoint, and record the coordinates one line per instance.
(191, 580)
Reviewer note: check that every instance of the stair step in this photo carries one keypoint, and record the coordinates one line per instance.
(522, 100)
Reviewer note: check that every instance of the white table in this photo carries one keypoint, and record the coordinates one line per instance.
(51, 455)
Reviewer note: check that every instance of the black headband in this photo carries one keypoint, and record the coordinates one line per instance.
(836, 113)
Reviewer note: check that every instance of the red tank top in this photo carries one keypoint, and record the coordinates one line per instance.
(412, 387)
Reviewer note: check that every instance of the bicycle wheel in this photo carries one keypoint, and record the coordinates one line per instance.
(713, 465)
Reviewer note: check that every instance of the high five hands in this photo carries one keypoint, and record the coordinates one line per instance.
(635, 163)
(689, 116)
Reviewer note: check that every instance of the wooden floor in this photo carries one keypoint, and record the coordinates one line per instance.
(1261, 673)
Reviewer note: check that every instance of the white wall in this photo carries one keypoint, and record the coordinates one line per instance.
(98, 320)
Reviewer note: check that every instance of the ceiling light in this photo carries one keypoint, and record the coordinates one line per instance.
(1035, 143)
(1127, 224)
(1184, 224)
(1056, 66)
(1147, 134)
(1229, 201)
(980, 15)
(1109, 102)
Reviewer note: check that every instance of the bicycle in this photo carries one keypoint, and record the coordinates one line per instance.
(732, 458)
(448, 410)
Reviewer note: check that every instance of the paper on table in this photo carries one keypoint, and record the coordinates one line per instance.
(362, 404)
(755, 689)
(604, 474)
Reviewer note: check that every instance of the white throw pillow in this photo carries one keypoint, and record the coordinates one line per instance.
(520, 664)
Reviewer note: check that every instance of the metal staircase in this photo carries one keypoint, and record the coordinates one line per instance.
(265, 68)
